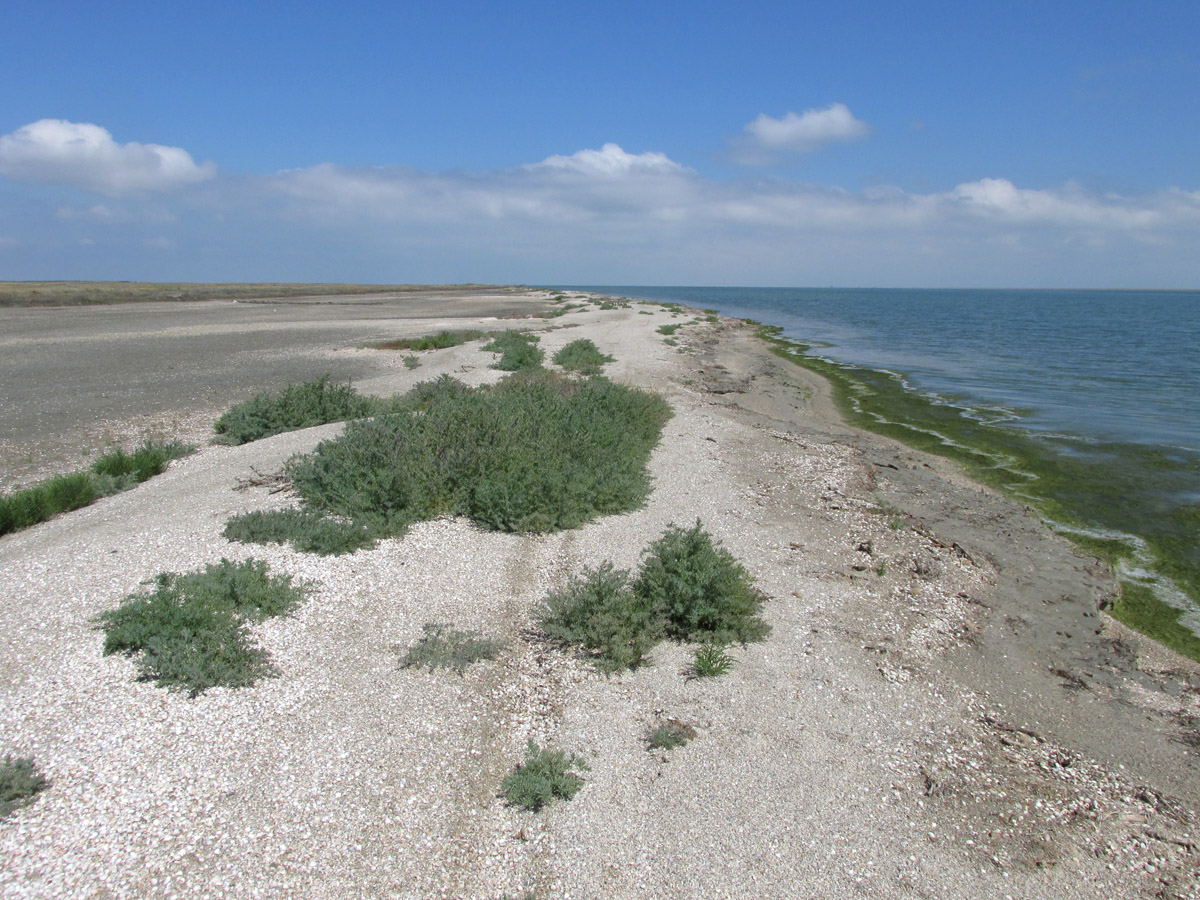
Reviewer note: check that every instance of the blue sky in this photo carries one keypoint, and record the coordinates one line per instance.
(859, 143)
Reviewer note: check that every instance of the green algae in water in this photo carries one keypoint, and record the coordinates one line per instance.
(1131, 504)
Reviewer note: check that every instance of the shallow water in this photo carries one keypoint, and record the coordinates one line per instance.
(1098, 392)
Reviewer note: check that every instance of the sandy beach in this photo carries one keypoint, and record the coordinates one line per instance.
(941, 710)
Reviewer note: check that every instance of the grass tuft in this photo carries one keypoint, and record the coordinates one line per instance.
(711, 660)
(670, 734)
(582, 356)
(444, 647)
(440, 341)
(296, 406)
(20, 782)
(112, 473)
(190, 632)
(544, 776)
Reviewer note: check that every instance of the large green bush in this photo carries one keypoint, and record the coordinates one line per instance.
(536, 452)
(296, 406)
(582, 356)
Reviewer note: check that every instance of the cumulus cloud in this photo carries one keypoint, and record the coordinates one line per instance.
(814, 128)
(82, 155)
(610, 160)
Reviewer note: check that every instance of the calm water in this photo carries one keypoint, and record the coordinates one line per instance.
(1106, 384)
(1110, 365)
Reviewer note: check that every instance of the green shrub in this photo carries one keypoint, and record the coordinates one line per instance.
(669, 329)
(441, 646)
(20, 782)
(535, 452)
(598, 610)
(711, 660)
(305, 529)
(688, 588)
(544, 776)
(518, 351)
(702, 591)
(670, 734)
(296, 406)
(582, 356)
(411, 362)
(189, 632)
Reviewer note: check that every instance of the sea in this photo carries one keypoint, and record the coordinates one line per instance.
(1110, 378)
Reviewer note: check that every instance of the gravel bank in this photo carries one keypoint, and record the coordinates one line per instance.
(891, 738)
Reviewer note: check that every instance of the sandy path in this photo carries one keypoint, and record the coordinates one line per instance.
(902, 732)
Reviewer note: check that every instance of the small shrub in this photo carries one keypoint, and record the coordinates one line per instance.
(20, 782)
(411, 362)
(598, 610)
(518, 351)
(702, 591)
(711, 660)
(668, 329)
(544, 776)
(582, 356)
(296, 406)
(189, 633)
(670, 734)
(444, 647)
(305, 529)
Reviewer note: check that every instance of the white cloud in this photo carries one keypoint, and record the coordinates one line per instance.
(803, 133)
(608, 216)
(610, 160)
(55, 151)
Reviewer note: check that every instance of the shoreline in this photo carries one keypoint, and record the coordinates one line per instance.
(943, 712)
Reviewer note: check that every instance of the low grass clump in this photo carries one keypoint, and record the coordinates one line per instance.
(305, 529)
(536, 452)
(190, 631)
(296, 406)
(518, 351)
(689, 588)
(670, 734)
(20, 782)
(545, 776)
(711, 660)
(112, 473)
(582, 356)
(444, 647)
(669, 329)
(440, 341)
